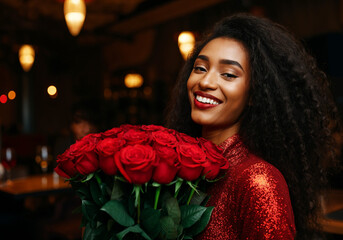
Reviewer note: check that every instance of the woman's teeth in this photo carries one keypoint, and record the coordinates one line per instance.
(206, 100)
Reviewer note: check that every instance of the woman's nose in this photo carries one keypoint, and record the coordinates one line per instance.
(208, 81)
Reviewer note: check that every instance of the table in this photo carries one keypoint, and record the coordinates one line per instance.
(333, 202)
(21, 205)
(35, 185)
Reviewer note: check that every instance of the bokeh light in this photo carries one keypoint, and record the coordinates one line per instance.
(11, 95)
(26, 56)
(3, 98)
(133, 80)
(52, 90)
(186, 41)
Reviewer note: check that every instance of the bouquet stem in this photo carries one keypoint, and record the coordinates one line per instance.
(178, 187)
(137, 190)
(157, 196)
(193, 190)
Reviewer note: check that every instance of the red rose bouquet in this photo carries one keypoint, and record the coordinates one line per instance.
(142, 182)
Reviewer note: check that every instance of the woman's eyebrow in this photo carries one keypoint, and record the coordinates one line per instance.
(231, 62)
(222, 61)
(203, 57)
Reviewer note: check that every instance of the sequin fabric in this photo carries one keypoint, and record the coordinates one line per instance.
(251, 202)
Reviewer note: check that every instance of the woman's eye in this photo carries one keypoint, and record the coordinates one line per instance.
(228, 75)
(199, 69)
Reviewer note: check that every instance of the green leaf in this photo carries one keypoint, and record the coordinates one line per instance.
(198, 198)
(173, 209)
(169, 228)
(120, 178)
(117, 190)
(150, 221)
(200, 225)
(89, 209)
(155, 184)
(131, 206)
(89, 177)
(118, 212)
(180, 232)
(106, 192)
(178, 185)
(82, 191)
(94, 233)
(191, 214)
(96, 192)
(193, 186)
(88, 233)
(133, 229)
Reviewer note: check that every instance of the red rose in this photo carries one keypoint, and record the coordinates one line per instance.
(136, 163)
(215, 160)
(167, 166)
(106, 149)
(164, 138)
(112, 133)
(133, 137)
(186, 139)
(152, 128)
(86, 160)
(192, 158)
(65, 165)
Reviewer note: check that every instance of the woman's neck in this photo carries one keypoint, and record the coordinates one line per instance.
(219, 135)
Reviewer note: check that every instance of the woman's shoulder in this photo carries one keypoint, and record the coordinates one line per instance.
(256, 173)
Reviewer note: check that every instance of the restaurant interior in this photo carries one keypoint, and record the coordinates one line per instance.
(117, 66)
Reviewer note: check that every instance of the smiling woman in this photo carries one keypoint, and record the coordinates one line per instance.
(252, 89)
(218, 88)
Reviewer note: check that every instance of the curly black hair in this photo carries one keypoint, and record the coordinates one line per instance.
(290, 120)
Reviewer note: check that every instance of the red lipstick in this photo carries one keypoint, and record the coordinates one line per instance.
(202, 105)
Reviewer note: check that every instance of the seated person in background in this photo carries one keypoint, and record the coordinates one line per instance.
(85, 120)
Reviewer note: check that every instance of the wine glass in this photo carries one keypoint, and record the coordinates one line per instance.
(9, 161)
(43, 157)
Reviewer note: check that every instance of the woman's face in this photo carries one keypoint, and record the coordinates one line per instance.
(218, 86)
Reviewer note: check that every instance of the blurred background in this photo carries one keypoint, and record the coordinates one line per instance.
(120, 64)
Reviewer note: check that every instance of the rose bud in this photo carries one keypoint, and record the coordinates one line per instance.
(167, 166)
(215, 161)
(86, 160)
(136, 163)
(106, 150)
(191, 158)
(66, 165)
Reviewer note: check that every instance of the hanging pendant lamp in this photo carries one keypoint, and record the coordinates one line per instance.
(74, 14)
(186, 42)
(26, 57)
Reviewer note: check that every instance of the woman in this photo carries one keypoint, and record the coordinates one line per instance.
(251, 88)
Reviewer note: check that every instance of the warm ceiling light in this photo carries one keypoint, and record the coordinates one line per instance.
(133, 80)
(186, 43)
(52, 90)
(11, 95)
(74, 13)
(26, 57)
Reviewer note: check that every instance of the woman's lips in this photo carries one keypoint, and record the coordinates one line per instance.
(204, 100)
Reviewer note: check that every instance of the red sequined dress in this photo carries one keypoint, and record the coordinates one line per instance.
(251, 202)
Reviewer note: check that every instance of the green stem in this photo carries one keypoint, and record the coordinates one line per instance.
(98, 179)
(157, 196)
(177, 188)
(137, 189)
(139, 209)
(192, 192)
